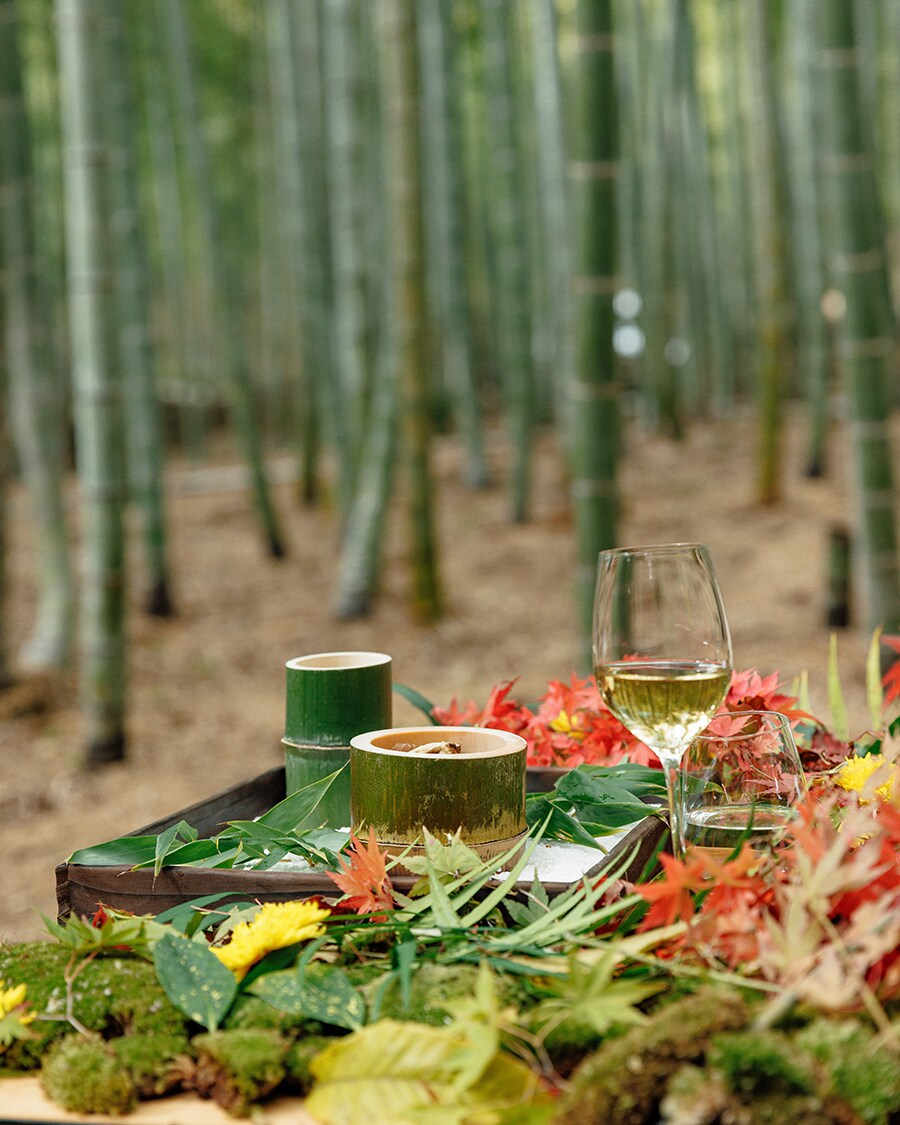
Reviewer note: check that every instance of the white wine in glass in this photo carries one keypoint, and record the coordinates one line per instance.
(662, 649)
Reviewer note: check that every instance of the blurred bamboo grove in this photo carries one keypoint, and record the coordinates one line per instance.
(339, 226)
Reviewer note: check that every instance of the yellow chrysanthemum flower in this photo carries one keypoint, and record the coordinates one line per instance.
(856, 771)
(276, 926)
(11, 999)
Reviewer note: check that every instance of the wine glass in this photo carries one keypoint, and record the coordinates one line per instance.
(662, 649)
(741, 779)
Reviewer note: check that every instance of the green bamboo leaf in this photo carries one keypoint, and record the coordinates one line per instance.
(874, 692)
(128, 851)
(181, 831)
(294, 809)
(194, 979)
(836, 703)
(640, 781)
(188, 853)
(417, 700)
(559, 824)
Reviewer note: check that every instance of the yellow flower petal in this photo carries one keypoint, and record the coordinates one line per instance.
(854, 774)
(12, 998)
(276, 926)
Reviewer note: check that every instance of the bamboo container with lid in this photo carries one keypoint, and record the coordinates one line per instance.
(402, 782)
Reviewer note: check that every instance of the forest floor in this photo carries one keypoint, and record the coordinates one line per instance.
(206, 688)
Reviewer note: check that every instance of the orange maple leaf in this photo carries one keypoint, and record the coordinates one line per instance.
(364, 880)
(671, 895)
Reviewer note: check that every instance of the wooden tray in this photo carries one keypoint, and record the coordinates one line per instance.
(80, 889)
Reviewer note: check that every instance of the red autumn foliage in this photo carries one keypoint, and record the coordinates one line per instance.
(571, 725)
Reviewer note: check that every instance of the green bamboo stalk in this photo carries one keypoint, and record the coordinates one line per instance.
(178, 323)
(97, 387)
(553, 186)
(144, 446)
(443, 186)
(401, 106)
(806, 241)
(288, 240)
(594, 390)
(228, 310)
(770, 254)
(511, 272)
(36, 405)
(322, 384)
(341, 50)
(649, 43)
(855, 263)
(707, 311)
(738, 251)
(6, 676)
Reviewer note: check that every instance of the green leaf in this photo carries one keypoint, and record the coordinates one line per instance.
(593, 995)
(295, 808)
(188, 917)
(392, 1073)
(874, 692)
(194, 979)
(836, 703)
(559, 824)
(640, 781)
(164, 841)
(126, 850)
(417, 700)
(453, 858)
(326, 996)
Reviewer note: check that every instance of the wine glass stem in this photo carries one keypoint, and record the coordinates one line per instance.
(672, 787)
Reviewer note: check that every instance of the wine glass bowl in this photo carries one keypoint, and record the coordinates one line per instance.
(662, 648)
(741, 779)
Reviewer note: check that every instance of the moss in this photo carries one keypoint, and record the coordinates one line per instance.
(150, 1060)
(298, 1058)
(764, 1062)
(431, 987)
(239, 1066)
(114, 995)
(701, 1096)
(626, 1078)
(40, 966)
(83, 1075)
(866, 1076)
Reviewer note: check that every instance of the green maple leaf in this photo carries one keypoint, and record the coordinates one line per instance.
(593, 995)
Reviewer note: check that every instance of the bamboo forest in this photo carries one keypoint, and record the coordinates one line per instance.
(339, 227)
(449, 567)
(338, 231)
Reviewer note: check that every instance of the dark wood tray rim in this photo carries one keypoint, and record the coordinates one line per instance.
(81, 888)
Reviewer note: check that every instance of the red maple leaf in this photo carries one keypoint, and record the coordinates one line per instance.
(364, 880)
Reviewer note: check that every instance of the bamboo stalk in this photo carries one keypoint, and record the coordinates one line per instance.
(97, 387)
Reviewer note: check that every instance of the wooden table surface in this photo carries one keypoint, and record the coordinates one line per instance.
(22, 1101)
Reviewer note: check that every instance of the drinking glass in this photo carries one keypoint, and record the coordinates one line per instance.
(662, 649)
(740, 779)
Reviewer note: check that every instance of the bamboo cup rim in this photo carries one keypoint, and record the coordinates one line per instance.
(503, 742)
(328, 661)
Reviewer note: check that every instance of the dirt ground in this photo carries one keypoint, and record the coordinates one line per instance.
(207, 688)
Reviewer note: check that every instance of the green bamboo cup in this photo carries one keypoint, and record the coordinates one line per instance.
(330, 697)
(480, 789)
